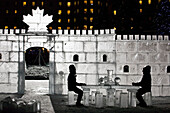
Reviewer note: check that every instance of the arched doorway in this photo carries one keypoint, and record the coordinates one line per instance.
(37, 70)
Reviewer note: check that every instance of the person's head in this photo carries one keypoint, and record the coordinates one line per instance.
(72, 69)
(146, 69)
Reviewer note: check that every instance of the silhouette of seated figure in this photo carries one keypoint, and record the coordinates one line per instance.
(145, 84)
(72, 84)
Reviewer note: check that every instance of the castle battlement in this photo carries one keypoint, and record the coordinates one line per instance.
(62, 32)
(142, 37)
(102, 32)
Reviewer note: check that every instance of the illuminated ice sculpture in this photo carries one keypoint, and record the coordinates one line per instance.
(37, 21)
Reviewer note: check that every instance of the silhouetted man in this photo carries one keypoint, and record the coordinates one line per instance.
(72, 84)
(145, 84)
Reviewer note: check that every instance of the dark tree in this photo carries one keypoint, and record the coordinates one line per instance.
(162, 18)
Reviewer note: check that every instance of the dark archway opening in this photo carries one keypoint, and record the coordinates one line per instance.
(76, 58)
(37, 70)
(104, 58)
(37, 56)
(126, 69)
(37, 63)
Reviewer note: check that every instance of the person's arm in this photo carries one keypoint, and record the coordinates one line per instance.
(136, 84)
(80, 84)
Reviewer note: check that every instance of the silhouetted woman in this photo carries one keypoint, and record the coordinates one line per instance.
(145, 84)
(72, 84)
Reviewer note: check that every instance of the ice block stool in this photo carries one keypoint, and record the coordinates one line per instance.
(148, 98)
(132, 97)
(110, 97)
(86, 93)
(93, 97)
(123, 100)
(99, 100)
(71, 98)
(117, 97)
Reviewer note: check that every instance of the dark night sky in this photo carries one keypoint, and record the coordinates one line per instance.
(127, 16)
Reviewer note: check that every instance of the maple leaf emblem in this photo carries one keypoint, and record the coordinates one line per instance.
(37, 22)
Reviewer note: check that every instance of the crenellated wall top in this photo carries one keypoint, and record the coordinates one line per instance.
(79, 33)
